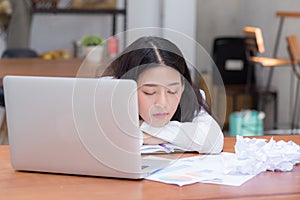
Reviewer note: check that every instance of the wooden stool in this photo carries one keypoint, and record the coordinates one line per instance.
(255, 48)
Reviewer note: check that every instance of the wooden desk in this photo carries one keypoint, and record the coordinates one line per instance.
(39, 67)
(74, 67)
(25, 185)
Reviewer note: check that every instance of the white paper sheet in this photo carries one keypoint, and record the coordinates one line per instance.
(205, 169)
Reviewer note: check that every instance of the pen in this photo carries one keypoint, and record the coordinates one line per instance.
(169, 150)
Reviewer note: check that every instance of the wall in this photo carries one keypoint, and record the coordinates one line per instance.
(141, 14)
(182, 19)
(216, 17)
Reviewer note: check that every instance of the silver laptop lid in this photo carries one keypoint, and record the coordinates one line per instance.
(73, 125)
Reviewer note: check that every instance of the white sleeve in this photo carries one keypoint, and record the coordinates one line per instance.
(203, 134)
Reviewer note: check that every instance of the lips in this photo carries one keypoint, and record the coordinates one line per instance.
(160, 115)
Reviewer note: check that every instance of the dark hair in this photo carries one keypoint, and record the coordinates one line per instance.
(147, 52)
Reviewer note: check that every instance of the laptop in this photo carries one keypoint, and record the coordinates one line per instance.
(83, 126)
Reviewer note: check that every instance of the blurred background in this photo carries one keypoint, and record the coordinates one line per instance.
(41, 26)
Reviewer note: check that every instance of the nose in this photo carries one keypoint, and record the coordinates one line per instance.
(161, 99)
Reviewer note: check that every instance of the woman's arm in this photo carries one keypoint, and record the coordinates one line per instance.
(149, 139)
(203, 134)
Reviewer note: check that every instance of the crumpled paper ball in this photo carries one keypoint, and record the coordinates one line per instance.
(253, 156)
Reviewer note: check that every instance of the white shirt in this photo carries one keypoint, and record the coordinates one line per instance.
(203, 134)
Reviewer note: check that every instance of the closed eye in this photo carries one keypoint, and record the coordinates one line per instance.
(149, 93)
(172, 92)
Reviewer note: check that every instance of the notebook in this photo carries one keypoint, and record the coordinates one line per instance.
(81, 126)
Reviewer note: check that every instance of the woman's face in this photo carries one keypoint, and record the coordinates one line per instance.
(159, 92)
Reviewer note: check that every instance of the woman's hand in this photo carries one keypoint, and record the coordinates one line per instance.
(149, 139)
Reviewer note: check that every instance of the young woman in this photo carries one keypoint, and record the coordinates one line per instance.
(171, 109)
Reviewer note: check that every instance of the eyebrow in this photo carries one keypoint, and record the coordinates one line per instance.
(155, 85)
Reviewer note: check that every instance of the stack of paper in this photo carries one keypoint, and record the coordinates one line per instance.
(252, 157)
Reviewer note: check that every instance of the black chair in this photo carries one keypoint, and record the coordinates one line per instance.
(16, 53)
(237, 72)
(230, 58)
(19, 53)
(2, 97)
